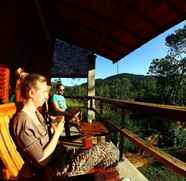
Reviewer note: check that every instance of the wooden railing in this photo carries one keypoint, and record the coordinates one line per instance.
(163, 111)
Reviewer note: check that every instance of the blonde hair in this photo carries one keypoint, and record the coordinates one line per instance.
(30, 81)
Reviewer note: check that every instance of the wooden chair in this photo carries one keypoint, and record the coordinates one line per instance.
(12, 160)
(9, 155)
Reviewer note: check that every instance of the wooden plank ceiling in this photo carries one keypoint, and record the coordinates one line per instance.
(111, 28)
(115, 28)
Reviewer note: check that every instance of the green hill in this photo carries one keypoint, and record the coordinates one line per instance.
(121, 86)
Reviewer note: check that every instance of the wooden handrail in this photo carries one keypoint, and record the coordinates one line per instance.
(165, 158)
(167, 111)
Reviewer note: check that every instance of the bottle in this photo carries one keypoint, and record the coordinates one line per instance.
(87, 142)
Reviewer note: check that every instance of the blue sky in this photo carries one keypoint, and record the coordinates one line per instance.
(137, 62)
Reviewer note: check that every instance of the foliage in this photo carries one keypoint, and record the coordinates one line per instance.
(121, 86)
(177, 40)
(170, 73)
(75, 103)
(179, 137)
(158, 172)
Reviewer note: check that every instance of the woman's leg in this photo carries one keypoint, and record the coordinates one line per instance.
(104, 154)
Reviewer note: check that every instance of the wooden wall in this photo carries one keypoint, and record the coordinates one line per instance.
(25, 39)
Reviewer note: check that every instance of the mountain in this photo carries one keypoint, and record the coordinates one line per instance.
(121, 86)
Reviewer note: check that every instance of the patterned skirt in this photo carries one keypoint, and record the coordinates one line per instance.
(100, 155)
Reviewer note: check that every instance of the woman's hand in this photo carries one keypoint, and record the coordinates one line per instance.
(57, 119)
(75, 119)
(59, 126)
(57, 129)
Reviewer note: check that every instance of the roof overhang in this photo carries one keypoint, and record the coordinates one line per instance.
(108, 28)
(113, 29)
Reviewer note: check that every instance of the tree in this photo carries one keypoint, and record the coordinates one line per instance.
(170, 71)
(177, 40)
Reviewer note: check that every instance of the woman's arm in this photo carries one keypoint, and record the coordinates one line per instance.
(52, 145)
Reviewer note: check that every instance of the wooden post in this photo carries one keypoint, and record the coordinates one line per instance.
(101, 107)
(91, 86)
(124, 117)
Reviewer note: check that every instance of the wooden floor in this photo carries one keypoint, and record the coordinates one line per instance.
(127, 170)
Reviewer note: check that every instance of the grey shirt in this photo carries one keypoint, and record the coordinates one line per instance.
(30, 138)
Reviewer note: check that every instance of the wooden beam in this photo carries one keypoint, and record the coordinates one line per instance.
(91, 86)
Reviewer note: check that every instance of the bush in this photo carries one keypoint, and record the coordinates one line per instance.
(157, 172)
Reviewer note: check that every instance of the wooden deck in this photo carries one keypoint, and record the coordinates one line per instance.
(127, 170)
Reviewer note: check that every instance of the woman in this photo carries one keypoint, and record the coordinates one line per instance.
(32, 136)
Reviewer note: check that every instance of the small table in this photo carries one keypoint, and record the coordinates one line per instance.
(93, 129)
